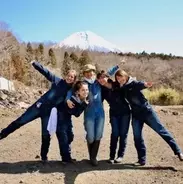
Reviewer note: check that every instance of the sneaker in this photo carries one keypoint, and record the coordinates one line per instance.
(118, 160)
(180, 156)
(110, 161)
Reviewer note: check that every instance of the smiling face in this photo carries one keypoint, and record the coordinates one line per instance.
(83, 91)
(103, 80)
(89, 74)
(70, 77)
(121, 77)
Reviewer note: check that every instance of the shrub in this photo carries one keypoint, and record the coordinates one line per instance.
(163, 96)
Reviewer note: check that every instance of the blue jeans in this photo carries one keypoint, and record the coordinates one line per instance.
(94, 125)
(29, 115)
(152, 120)
(120, 127)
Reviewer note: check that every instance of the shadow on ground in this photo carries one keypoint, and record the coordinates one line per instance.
(71, 171)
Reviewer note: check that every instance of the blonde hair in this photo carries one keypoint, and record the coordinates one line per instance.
(73, 72)
(121, 73)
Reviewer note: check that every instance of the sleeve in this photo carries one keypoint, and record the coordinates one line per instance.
(69, 95)
(112, 70)
(139, 85)
(46, 73)
(105, 93)
(78, 109)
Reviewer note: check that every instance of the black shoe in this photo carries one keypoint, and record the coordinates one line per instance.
(141, 162)
(44, 160)
(67, 161)
(1, 137)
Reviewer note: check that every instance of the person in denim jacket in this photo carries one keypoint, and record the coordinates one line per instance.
(79, 98)
(54, 97)
(119, 113)
(142, 112)
(94, 113)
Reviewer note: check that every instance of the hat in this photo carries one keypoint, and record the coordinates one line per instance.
(88, 68)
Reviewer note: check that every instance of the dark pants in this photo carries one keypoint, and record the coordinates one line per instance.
(29, 115)
(120, 127)
(65, 137)
(152, 120)
(33, 113)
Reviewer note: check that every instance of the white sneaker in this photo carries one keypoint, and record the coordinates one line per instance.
(180, 156)
(110, 161)
(118, 160)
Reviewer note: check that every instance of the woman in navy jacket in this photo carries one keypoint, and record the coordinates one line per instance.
(42, 107)
(119, 113)
(142, 112)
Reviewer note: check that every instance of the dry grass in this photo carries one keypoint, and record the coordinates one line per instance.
(164, 96)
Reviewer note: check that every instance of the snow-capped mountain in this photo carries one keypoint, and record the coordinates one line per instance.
(88, 40)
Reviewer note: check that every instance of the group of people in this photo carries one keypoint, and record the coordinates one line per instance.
(71, 97)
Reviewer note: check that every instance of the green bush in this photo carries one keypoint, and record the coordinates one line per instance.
(163, 96)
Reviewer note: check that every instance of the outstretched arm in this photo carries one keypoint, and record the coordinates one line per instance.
(45, 72)
(140, 85)
(114, 69)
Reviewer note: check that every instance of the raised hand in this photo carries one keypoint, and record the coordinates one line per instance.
(122, 62)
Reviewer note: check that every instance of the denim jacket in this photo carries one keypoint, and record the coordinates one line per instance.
(57, 93)
(95, 97)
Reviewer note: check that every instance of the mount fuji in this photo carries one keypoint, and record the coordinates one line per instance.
(88, 40)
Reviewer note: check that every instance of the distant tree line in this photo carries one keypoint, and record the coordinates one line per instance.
(151, 55)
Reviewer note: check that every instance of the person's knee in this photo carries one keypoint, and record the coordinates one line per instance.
(99, 136)
(62, 137)
(90, 139)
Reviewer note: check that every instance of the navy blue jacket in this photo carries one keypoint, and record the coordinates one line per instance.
(132, 91)
(56, 95)
(118, 105)
(79, 107)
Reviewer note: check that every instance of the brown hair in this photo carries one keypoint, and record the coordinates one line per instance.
(78, 85)
(121, 73)
(102, 73)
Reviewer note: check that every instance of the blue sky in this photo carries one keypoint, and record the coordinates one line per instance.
(133, 25)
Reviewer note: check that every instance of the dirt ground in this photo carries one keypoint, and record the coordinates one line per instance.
(19, 161)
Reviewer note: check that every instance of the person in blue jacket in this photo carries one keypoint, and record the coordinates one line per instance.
(119, 113)
(64, 126)
(54, 97)
(142, 112)
(94, 113)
